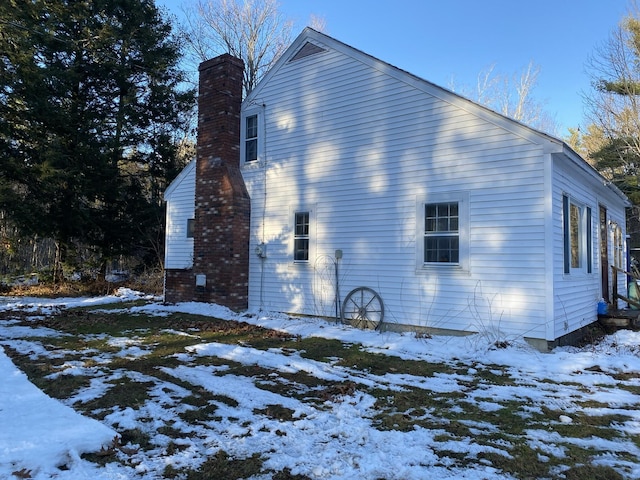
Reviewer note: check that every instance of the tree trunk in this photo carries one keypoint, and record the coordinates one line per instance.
(60, 258)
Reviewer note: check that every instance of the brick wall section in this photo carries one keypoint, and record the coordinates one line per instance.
(179, 285)
(223, 208)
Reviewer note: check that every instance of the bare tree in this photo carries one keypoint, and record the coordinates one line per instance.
(253, 30)
(612, 140)
(512, 96)
(318, 23)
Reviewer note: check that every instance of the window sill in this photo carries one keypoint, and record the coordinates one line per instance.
(443, 268)
(252, 165)
(578, 274)
(299, 264)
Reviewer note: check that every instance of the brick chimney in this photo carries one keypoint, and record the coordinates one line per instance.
(223, 208)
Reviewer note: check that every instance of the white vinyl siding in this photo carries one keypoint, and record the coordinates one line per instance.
(576, 293)
(352, 154)
(301, 236)
(577, 222)
(180, 198)
(441, 233)
(252, 135)
(251, 138)
(367, 145)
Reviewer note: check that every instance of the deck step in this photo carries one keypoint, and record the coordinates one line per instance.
(621, 319)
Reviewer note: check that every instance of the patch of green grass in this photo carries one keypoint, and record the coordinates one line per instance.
(452, 417)
(272, 339)
(508, 418)
(200, 414)
(321, 349)
(61, 386)
(298, 381)
(355, 357)
(287, 475)
(591, 403)
(172, 432)
(404, 410)
(64, 386)
(223, 466)
(147, 364)
(634, 389)
(522, 462)
(196, 400)
(165, 344)
(124, 393)
(493, 375)
(173, 448)
(276, 412)
(135, 437)
(304, 387)
(585, 426)
(591, 472)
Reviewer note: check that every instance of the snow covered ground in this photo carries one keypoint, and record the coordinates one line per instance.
(43, 438)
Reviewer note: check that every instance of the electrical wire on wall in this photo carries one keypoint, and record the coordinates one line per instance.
(263, 257)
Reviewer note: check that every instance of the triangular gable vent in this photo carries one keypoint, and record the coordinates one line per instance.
(306, 50)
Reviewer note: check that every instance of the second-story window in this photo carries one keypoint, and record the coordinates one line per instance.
(251, 139)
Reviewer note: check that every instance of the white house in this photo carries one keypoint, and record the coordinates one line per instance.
(456, 219)
(180, 198)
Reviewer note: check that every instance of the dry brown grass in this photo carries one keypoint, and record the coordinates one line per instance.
(55, 290)
(149, 282)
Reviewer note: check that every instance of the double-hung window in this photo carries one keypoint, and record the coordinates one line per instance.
(442, 233)
(301, 237)
(577, 226)
(251, 138)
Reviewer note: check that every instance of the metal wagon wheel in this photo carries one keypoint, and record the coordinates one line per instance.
(363, 308)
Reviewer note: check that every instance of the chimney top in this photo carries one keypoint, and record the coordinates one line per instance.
(225, 57)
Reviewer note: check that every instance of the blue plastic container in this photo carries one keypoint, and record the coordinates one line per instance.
(603, 307)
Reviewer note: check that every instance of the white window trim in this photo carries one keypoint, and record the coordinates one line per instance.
(586, 236)
(462, 198)
(618, 242)
(258, 111)
(312, 235)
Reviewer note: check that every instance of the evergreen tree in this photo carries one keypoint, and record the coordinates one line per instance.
(612, 140)
(614, 105)
(90, 104)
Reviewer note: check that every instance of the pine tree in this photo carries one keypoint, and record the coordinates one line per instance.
(90, 101)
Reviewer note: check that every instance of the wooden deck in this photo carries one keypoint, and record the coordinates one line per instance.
(626, 318)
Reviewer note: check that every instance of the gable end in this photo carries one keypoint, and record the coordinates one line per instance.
(307, 49)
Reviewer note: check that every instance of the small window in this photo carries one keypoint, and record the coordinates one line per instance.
(191, 225)
(251, 139)
(442, 233)
(301, 237)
